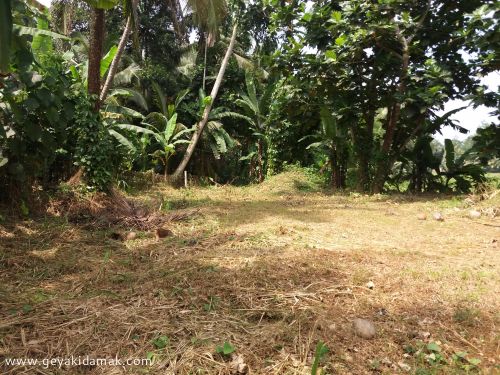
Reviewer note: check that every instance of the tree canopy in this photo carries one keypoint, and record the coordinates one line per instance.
(354, 89)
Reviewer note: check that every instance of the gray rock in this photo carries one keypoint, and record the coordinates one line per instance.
(363, 328)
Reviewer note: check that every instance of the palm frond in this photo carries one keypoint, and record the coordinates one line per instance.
(126, 76)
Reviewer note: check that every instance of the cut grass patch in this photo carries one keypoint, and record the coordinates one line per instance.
(270, 269)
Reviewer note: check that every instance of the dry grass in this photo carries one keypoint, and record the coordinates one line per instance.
(271, 269)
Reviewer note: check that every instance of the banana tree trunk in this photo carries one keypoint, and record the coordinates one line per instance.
(201, 125)
(260, 160)
(95, 53)
(116, 60)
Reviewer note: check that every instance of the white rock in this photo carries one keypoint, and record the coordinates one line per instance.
(404, 366)
(437, 216)
(364, 328)
(474, 214)
(424, 334)
(370, 285)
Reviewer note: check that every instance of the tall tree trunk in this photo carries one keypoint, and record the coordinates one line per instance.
(386, 162)
(363, 139)
(260, 157)
(95, 53)
(116, 60)
(201, 125)
(205, 63)
(179, 29)
(336, 170)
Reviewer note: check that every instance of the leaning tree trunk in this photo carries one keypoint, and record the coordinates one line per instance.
(201, 125)
(116, 60)
(95, 53)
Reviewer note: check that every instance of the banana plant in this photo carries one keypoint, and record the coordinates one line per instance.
(216, 138)
(332, 141)
(257, 110)
(167, 134)
(456, 168)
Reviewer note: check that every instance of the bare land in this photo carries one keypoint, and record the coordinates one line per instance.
(269, 269)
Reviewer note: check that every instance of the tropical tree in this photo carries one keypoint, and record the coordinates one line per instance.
(332, 139)
(206, 113)
(208, 16)
(131, 12)
(456, 168)
(167, 134)
(257, 108)
(387, 65)
(97, 34)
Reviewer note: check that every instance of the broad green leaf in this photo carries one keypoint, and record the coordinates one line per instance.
(307, 17)
(102, 4)
(450, 154)
(136, 129)
(171, 125)
(336, 16)
(474, 361)
(331, 55)
(180, 97)
(182, 132)
(42, 44)
(132, 95)
(320, 352)
(161, 342)
(5, 34)
(33, 31)
(433, 347)
(107, 59)
(328, 123)
(225, 349)
(340, 41)
(162, 98)
(123, 140)
(125, 111)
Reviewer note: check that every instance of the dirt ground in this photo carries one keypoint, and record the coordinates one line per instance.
(270, 270)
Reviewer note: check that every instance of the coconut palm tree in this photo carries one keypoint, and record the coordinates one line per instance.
(206, 113)
(130, 7)
(208, 16)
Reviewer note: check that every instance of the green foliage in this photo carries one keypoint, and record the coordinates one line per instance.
(95, 151)
(320, 352)
(431, 359)
(463, 174)
(5, 34)
(161, 342)
(37, 110)
(226, 349)
(486, 145)
(102, 4)
(107, 59)
(166, 133)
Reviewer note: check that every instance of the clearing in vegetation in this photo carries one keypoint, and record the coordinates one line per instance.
(262, 273)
